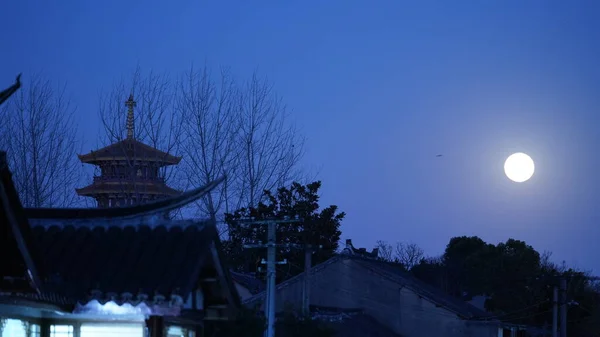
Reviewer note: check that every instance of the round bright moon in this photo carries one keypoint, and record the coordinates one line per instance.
(519, 167)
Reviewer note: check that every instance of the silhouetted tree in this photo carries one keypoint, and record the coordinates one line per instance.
(407, 254)
(385, 251)
(40, 136)
(318, 227)
(517, 280)
(240, 130)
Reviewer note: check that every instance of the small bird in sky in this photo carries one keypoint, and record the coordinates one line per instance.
(439, 155)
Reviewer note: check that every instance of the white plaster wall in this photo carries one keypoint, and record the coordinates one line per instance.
(346, 284)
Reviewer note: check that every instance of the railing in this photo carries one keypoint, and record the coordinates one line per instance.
(124, 178)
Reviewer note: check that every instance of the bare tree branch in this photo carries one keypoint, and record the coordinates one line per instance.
(41, 140)
(211, 112)
(386, 252)
(409, 254)
(271, 147)
(219, 128)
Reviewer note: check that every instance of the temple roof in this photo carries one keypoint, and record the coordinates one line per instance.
(19, 265)
(125, 255)
(129, 149)
(138, 212)
(125, 264)
(127, 188)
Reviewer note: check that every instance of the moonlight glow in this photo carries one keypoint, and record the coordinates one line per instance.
(519, 167)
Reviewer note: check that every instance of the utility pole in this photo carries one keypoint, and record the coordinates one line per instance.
(555, 312)
(306, 286)
(563, 307)
(308, 251)
(271, 262)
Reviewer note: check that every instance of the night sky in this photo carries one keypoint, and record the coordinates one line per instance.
(379, 88)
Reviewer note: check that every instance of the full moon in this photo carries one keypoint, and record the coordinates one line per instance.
(519, 167)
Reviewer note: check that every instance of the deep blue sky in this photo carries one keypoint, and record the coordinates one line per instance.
(379, 88)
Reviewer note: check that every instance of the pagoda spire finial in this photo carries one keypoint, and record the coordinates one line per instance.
(130, 103)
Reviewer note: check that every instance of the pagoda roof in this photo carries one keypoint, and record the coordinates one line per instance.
(127, 188)
(128, 149)
(124, 213)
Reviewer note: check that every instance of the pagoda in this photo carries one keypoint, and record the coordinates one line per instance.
(129, 170)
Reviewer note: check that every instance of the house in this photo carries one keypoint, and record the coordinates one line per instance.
(109, 272)
(386, 294)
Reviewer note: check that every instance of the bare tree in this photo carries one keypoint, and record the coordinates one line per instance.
(386, 251)
(40, 136)
(241, 131)
(218, 126)
(409, 254)
(210, 109)
(270, 145)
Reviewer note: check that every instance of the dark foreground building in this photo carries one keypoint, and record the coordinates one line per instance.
(109, 272)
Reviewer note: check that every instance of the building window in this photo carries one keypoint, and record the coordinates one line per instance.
(34, 330)
(112, 330)
(14, 328)
(61, 331)
(175, 331)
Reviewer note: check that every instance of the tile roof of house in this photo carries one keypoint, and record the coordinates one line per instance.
(118, 214)
(129, 148)
(395, 274)
(431, 293)
(155, 188)
(351, 323)
(19, 264)
(124, 264)
(127, 254)
(249, 282)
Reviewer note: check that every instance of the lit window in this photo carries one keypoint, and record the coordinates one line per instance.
(14, 328)
(61, 331)
(112, 330)
(34, 330)
(175, 331)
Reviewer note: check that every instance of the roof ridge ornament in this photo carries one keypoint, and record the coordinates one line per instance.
(130, 104)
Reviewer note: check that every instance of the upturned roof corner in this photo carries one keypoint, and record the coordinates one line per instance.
(5, 94)
(139, 211)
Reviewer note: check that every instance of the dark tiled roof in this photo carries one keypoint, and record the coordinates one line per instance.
(123, 264)
(6, 93)
(433, 294)
(126, 187)
(129, 148)
(396, 274)
(354, 324)
(249, 282)
(19, 265)
(118, 213)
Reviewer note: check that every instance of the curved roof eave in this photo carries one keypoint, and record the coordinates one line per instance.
(162, 205)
